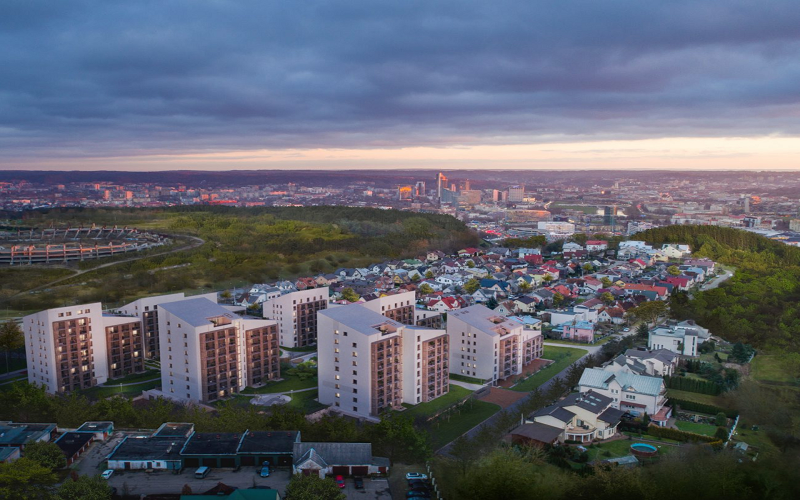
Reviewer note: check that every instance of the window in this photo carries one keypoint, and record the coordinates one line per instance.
(355, 391)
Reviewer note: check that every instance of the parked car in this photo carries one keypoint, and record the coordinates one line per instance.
(359, 482)
(626, 329)
(418, 484)
(415, 475)
(264, 469)
(340, 481)
(418, 494)
(107, 474)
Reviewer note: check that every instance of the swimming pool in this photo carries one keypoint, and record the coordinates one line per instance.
(643, 450)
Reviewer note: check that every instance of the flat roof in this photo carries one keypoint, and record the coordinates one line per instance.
(269, 442)
(212, 443)
(485, 319)
(22, 433)
(361, 319)
(96, 427)
(197, 312)
(71, 442)
(148, 448)
(174, 429)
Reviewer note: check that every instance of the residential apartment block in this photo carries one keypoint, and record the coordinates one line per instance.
(369, 363)
(146, 310)
(77, 347)
(395, 306)
(208, 353)
(296, 314)
(488, 346)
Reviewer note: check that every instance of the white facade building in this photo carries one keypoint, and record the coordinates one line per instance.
(630, 392)
(296, 314)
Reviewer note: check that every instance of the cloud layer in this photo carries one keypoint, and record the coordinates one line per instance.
(122, 78)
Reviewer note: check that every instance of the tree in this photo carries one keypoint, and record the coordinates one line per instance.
(25, 479)
(607, 298)
(547, 278)
(558, 299)
(674, 271)
(606, 281)
(11, 338)
(472, 286)
(470, 264)
(312, 487)
(721, 419)
(491, 303)
(429, 274)
(425, 289)
(524, 287)
(649, 311)
(580, 238)
(85, 488)
(396, 437)
(642, 332)
(587, 268)
(46, 454)
(721, 433)
(350, 295)
(226, 294)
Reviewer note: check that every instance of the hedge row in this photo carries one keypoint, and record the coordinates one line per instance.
(693, 385)
(666, 432)
(703, 408)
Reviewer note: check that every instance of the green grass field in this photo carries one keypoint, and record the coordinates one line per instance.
(771, 368)
(704, 429)
(14, 364)
(430, 408)
(696, 397)
(468, 416)
(286, 385)
(618, 448)
(99, 392)
(469, 380)
(305, 401)
(136, 377)
(563, 357)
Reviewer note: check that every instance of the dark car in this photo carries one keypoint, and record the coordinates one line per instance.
(418, 494)
(359, 482)
(418, 484)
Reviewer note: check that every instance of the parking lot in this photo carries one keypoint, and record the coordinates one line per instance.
(373, 488)
(141, 482)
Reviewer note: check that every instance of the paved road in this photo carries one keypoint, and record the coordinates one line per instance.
(195, 242)
(716, 281)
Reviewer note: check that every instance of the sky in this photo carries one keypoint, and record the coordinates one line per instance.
(180, 84)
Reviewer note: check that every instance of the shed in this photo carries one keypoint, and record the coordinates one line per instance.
(535, 434)
(337, 459)
(101, 430)
(145, 453)
(73, 444)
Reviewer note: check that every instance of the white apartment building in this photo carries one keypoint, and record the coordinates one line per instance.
(208, 352)
(77, 347)
(369, 363)
(146, 310)
(488, 346)
(396, 306)
(296, 314)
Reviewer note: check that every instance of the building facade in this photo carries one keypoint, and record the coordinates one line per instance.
(78, 347)
(395, 306)
(296, 314)
(369, 363)
(208, 353)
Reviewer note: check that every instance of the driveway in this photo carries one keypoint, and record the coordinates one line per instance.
(144, 483)
(373, 488)
(93, 460)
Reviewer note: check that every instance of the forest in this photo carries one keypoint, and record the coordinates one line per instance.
(241, 246)
(760, 304)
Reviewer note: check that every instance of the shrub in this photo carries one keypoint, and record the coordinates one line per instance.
(703, 408)
(677, 435)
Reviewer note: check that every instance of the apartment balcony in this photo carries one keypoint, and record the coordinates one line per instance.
(581, 429)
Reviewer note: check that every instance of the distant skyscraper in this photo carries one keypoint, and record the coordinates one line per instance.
(747, 204)
(419, 189)
(441, 183)
(516, 193)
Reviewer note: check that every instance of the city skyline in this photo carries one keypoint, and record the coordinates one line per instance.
(242, 85)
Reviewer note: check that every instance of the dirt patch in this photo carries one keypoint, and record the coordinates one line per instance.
(502, 397)
(531, 368)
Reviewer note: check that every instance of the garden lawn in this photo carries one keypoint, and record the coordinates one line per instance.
(99, 392)
(771, 368)
(305, 401)
(135, 377)
(562, 357)
(285, 385)
(469, 380)
(704, 429)
(696, 397)
(14, 364)
(430, 408)
(449, 428)
(618, 448)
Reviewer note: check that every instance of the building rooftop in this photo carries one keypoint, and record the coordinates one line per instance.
(269, 442)
(197, 312)
(337, 453)
(595, 377)
(71, 442)
(538, 432)
(486, 320)
(96, 427)
(21, 433)
(360, 318)
(148, 448)
(212, 443)
(174, 429)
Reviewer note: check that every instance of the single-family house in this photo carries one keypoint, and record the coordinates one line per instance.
(636, 394)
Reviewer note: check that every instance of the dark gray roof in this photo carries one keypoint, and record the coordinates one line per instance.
(555, 411)
(663, 355)
(96, 427)
(212, 443)
(538, 432)
(174, 429)
(269, 442)
(335, 453)
(611, 416)
(590, 401)
(71, 442)
(148, 448)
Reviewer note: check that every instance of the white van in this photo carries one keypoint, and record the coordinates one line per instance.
(201, 472)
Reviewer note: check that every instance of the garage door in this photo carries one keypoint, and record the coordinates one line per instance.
(341, 470)
(228, 463)
(191, 462)
(248, 461)
(360, 471)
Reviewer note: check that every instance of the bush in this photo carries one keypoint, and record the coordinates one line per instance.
(721, 433)
(693, 385)
(703, 408)
(721, 419)
(677, 435)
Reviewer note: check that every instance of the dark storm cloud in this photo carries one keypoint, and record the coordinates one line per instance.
(122, 77)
